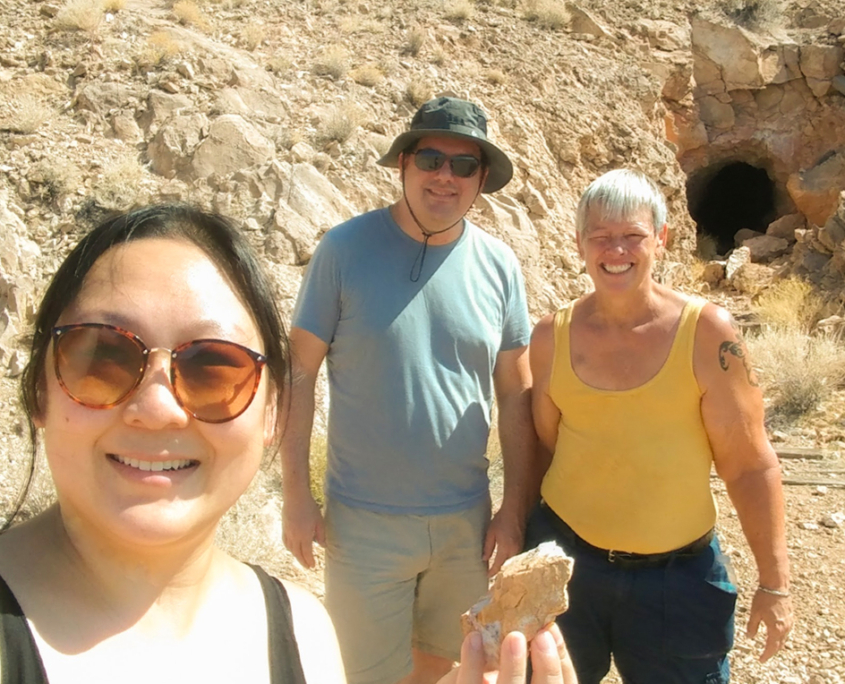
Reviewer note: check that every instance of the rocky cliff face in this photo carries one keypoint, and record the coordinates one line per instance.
(276, 112)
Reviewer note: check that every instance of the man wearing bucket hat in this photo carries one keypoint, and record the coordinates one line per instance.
(422, 319)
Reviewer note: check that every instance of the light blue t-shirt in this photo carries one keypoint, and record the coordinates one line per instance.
(410, 364)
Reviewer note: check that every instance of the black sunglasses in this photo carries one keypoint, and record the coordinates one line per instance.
(462, 165)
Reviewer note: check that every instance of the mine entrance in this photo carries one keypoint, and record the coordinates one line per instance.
(736, 196)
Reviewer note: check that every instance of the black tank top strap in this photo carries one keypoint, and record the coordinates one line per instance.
(20, 661)
(285, 664)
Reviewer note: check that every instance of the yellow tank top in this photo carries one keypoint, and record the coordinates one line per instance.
(631, 468)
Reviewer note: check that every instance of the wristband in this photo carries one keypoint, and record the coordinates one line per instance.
(773, 592)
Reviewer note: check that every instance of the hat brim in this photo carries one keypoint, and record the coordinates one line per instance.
(500, 169)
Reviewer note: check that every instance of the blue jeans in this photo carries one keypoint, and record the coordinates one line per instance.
(671, 624)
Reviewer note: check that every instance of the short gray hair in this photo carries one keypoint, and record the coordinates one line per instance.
(618, 195)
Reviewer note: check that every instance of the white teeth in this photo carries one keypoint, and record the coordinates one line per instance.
(154, 466)
(621, 268)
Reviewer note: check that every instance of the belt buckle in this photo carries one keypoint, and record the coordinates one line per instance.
(611, 556)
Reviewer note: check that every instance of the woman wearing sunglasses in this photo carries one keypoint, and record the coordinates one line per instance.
(157, 371)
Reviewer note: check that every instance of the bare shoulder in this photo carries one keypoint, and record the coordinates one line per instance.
(544, 330)
(315, 636)
(720, 351)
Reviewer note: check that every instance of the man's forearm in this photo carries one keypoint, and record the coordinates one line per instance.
(296, 441)
(758, 498)
(519, 446)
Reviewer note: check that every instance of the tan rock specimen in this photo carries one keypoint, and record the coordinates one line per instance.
(527, 594)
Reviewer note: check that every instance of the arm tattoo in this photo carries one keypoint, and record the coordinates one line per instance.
(737, 350)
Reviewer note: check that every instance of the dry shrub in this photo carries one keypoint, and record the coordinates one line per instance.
(119, 188)
(54, 178)
(340, 123)
(368, 75)
(796, 371)
(81, 15)
(22, 112)
(550, 14)
(357, 24)
(706, 247)
(414, 41)
(159, 47)
(280, 64)
(458, 10)
(114, 5)
(790, 303)
(418, 91)
(252, 35)
(496, 76)
(438, 56)
(332, 62)
(754, 14)
(189, 14)
(317, 462)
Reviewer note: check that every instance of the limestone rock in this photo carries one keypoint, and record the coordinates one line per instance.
(744, 234)
(815, 192)
(232, 144)
(752, 278)
(127, 129)
(586, 23)
(786, 226)
(162, 106)
(714, 273)
(527, 594)
(726, 58)
(764, 248)
(739, 257)
(171, 149)
(313, 196)
(103, 97)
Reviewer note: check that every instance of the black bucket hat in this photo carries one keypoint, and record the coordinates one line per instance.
(449, 117)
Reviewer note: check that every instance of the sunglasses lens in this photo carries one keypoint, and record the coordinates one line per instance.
(98, 366)
(215, 380)
(464, 166)
(429, 160)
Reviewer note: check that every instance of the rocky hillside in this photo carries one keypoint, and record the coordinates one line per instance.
(275, 113)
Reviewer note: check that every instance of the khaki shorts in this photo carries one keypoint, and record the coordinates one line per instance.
(397, 581)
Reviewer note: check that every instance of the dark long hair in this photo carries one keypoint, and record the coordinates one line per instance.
(224, 244)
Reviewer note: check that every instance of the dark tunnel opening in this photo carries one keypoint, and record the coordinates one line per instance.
(737, 196)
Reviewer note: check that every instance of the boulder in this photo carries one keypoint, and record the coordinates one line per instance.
(162, 106)
(726, 57)
(126, 129)
(739, 257)
(101, 98)
(716, 114)
(752, 278)
(171, 149)
(785, 226)
(816, 192)
(714, 273)
(302, 235)
(764, 248)
(232, 144)
(744, 234)
(313, 196)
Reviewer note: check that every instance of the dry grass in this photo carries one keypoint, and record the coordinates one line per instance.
(496, 76)
(357, 24)
(54, 178)
(706, 247)
(119, 188)
(159, 47)
(81, 15)
(756, 15)
(368, 75)
(189, 14)
(317, 463)
(114, 5)
(418, 91)
(280, 64)
(252, 35)
(438, 56)
(458, 10)
(796, 371)
(340, 123)
(332, 62)
(551, 14)
(22, 112)
(414, 40)
(790, 304)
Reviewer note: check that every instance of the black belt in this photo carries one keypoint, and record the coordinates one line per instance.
(627, 559)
